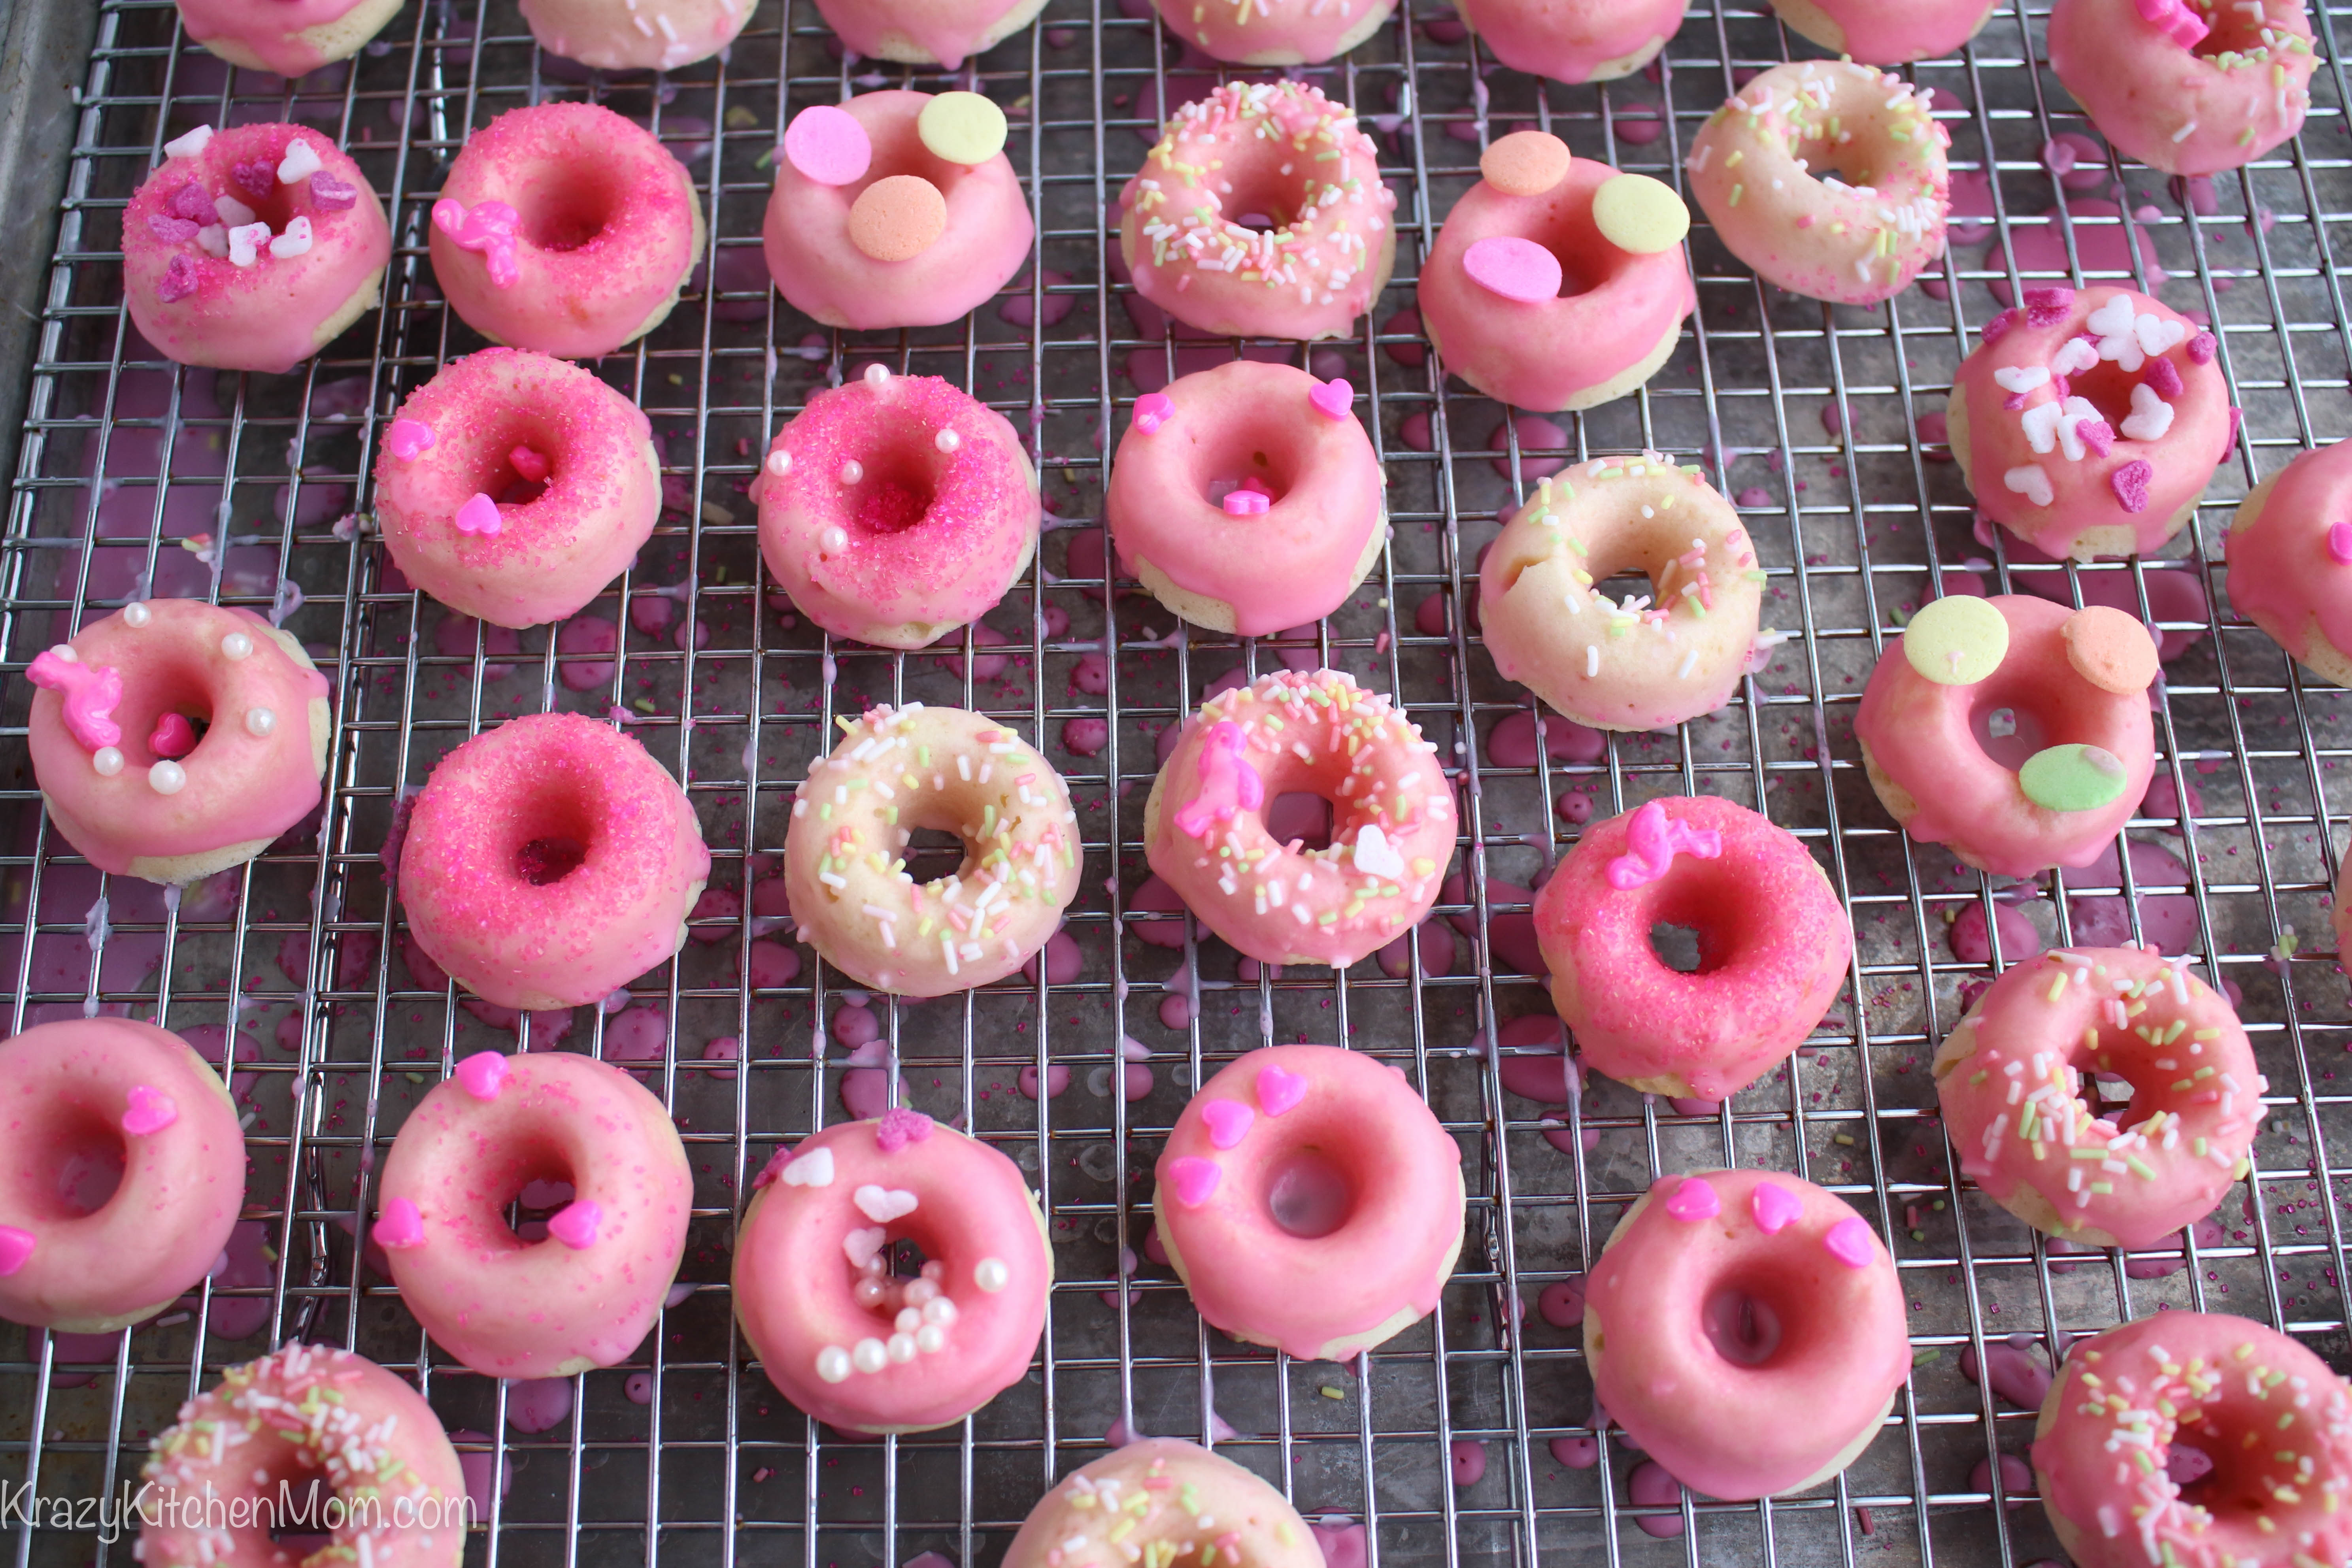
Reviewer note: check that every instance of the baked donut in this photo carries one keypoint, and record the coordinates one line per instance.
(837, 1331)
(175, 739)
(1829, 179)
(2262, 1424)
(565, 228)
(272, 1428)
(126, 1110)
(2011, 1077)
(513, 487)
(2290, 554)
(1204, 824)
(290, 37)
(1655, 659)
(1773, 942)
(895, 509)
(1305, 267)
(944, 33)
(1573, 40)
(1556, 283)
(1247, 498)
(1179, 1497)
(2189, 87)
(1876, 33)
(1300, 1162)
(2011, 731)
(585, 1294)
(896, 209)
(620, 35)
(896, 770)
(1275, 32)
(2088, 422)
(253, 247)
(549, 862)
(1747, 1328)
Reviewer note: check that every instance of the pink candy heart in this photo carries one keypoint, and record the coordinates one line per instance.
(1517, 270)
(399, 1225)
(860, 1245)
(1195, 1180)
(15, 1249)
(2339, 542)
(900, 1127)
(827, 144)
(1775, 1207)
(1335, 398)
(1694, 1201)
(150, 1110)
(1229, 1120)
(1278, 1091)
(173, 736)
(483, 1074)
(1153, 410)
(407, 438)
(479, 515)
(575, 1224)
(1850, 1243)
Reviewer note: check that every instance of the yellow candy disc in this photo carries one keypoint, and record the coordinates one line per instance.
(1957, 640)
(1641, 214)
(962, 127)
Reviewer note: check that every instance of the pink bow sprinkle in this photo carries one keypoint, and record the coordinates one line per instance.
(399, 1226)
(479, 515)
(1694, 1201)
(575, 1224)
(1279, 1092)
(1228, 785)
(150, 1110)
(900, 1127)
(1153, 410)
(1850, 1243)
(1775, 1207)
(2339, 542)
(91, 695)
(1247, 504)
(1229, 1120)
(1333, 398)
(15, 1249)
(482, 1075)
(173, 736)
(1655, 840)
(1195, 1180)
(2175, 20)
(409, 439)
(487, 226)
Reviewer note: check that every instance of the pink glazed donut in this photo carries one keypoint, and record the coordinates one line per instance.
(896, 508)
(2189, 87)
(1542, 294)
(94, 1100)
(124, 770)
(2089, 422)
(2290, 553)
(869, 228)
(1247, 498)
(1773, 942)
(290, 37)
(1275, 32)
(513, 487)
(620, 35)
(844, 1338)
(252, 248)
(1165, 1498)
(302, 1415)
(1829, 179)
(1880, 33)
(585, 1294)
(2033, 752)
(551, 861)
(1747, 1331)
(2010, 1079)
(1573, 40)
(1310, 1163)
(927, 32)
(565, 228)
(2271, 1422)
(1204, 824)
(1327, 246)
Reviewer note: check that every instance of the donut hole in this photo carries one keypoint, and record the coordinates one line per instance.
(1300, 818)
(1241, 457)
(1258, 196)
(513, 459)
(1677, 946)
(175, 690)
(896, 1278)
(537, 1183)
(2009, 726)
(276, 207)
(898, 479)
(2233, 32)
(70, 1164)
(2226, 1460)
(1853, 162)
(933, 854)
(300, 1502)
(1746, 1325)
(1308, 1194)
(569, 204)
(2108, 387)
(549, 834)
(1692, 923)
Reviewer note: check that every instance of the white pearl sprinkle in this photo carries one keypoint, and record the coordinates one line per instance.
(940, 1310)
(833, 1363)
(137, 615)
(833, 541)
(908, 1320)
(107, 760)
(780, 462)
(947, 441)
(870, 1356)
(901, 1347)
(991, 1275)
(167, 778)
(237, 645)
(877, 376)
(851, 471)
(259, 722)
(930, 1338)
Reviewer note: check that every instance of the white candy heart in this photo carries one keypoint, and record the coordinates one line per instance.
(1375, 856)
(2118, 339)
(294, 242)
(2156, 334)
(2074, 356)
(2021, 378)
(245, 243)
(2042, 425)
(300, 162)
(2151, 415)
(2079, 412)
(813, 1169)
(2031, 482)
(860, 1245)
(884, 1205)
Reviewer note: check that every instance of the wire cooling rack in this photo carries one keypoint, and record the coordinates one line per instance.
(136, 476)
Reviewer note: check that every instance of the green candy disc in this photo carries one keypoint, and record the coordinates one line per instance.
(1956, 641)
(962, 127)
(2071, 778)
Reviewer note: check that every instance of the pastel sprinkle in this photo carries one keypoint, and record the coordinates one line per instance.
(1278, 1091)
(1636, 213)
(827, 144)
(1694, 1201)
(1195, 1180)
(1775, 1207)
(2071, 778)
(1957, 640)
(1229, 1120)
(962, 127)
(1516, 269)
(1850, 1243)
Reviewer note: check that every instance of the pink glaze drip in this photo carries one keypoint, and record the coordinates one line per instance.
(1225, 783)
(91, 696)
(1655, 840)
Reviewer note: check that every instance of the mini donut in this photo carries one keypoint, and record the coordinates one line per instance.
(1542, 293)
(841, 1335)
(944, 33)
(1656, 658)
(1747, 1328)
(391, 1491)
(2011, 731)
(2290, 554)
(635, 35)
(1179, 1497)
(2088, 422)
(2263, 1424)
(896, 770)
(290, 37)
(88, 1100)
(585, 1294)
(1880, 33)
(565, 228)
(1773, 942)
(1204, 824)
(175, 739)
(513, 487)
(871, 227)
(2011, 1077)
(1313, 261)
(253, 247)
(549, 862)
(1247, 498)
(1573, 40)
(1310, 1163)
(1828, 179)
(2189, 87)
(1275, 32)
(896, 508)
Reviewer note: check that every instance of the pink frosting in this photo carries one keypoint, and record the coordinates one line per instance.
(1893, 32)
(1275, 32)
(2288, 568)
(1164, 1494)
(1341, 1175)
(1573, 40)
(821, 271)
(554, 546)
(1751, 1350)
(942, 32)
(283, 34)
(618, 36)
(904, 510)
(1551, 355)
(2273, 1421)
(1292, 563)
(2011, 1077)
(854, 1358)
(551, 861)
(2186, 111)
(1773, 942)
(276, 310)
(99, 1095)
(608, 228)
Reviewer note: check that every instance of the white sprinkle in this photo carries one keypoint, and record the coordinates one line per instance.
(877, 376)
(137, 615)
(833, 541)
(870, 1356)
(948, 441)
(832, 1365)
(237, 645)
(302, 162)
(167, 778)
(1592, 660)
(259, 722)
(107, 760)
(780, 462)
(851, 471)
(189, 145)
(991, 1275)
(294, 242)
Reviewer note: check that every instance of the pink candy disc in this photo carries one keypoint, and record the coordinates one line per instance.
(2339, 542)
(400, 1225)
(479, 515)
(1515, 269)
(1279, 1091)
(408, 439)
(1776, 1207)
(1336, 399)
(574, 1225)
(150, 1110)
(1694, 1200)
(1153, 410)
(1849, 1242)
(15, 1249)
(483, 1074)
(1246, 503)
(829, 145)
(1229, 1120)
(1195, 1181)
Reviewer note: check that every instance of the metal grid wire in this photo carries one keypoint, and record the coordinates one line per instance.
(137, 477)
